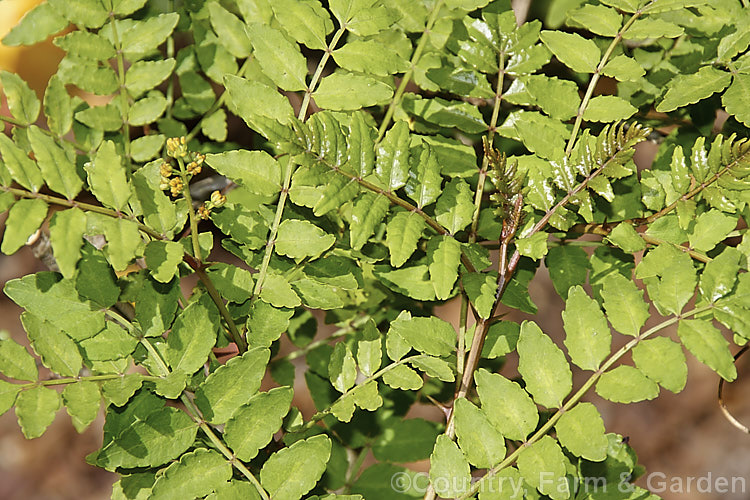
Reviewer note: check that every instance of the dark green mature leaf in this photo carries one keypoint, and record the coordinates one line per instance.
(38, 24)
(350, 91)
(58, 169)
(587, 337)
(480, 441)
(196, 474)
(581, 431)
(280, 59)
(508, 407)
(543, 466)
(707, 344)
(35, 409)
(626, 384)
(192, 336)
(24, 218)
(450, 473)
(626, 310)
(290, 473)
(576, 52)
(409, 440)
(543, 367)
(22, 101)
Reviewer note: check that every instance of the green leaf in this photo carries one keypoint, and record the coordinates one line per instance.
(229, 30)
(574, 51)
(107, 118)
(608, 108)
(22, 168)
(106, 176)
(86, 44)
(597, 19)
(369, 350)
(370, 56)
(254, 170)
(711, 228)
(707, 344)
(88, 13)
(626, 384)
(460, 115)
(735, 99)
(249, 99)
(508, 407)
(534, 246)
(235, 490)
(22, 101)
(424, 183)
(407, 440)
(367, 213)
(58, 107)
(404, 378)
(234, 283)
(650, 27)
(558, 98)
(362, 17)
(290, 473)
(568, 266)
(481, 289)
(38, 24)
(501, 339)
(90, 77)
(392, 166)
(689, 89)
(159, 212)
(24, 218)
(140, 37)
(625, 237)
(542, 465)
(626, 310)
(162, 259)
(430, 335)
(662, 361)
(444, 256)
(119, 391)
(143, 76)
(506, 484)
(587, 334)
(197, 474)
(623, 68)
(719, 275)
(670, 277)
(82, 401)
(402, 235)
(342, 370)
(349, 91)
(455, 207)
(110, 344)
(58, 170)
(298, 239)
(581, 431)
(58, 351)
(482, 444)
(17, 363)
(450, 473)
(123, 239)
(8, 394)
(280, 59)
(147, 110)
(543, 367)
(215, 126)
(35, 409)
(253, 425)
(277, 292)
(193, 335)
(306, 21)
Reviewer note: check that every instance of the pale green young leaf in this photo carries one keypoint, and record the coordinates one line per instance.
(58, 107)
(106, 176)
(506, 484)
(147, 110)
(110, 344)
(435, 367)
(392, 164)
(17, 363)
(625, 237)
(86, 44)
(670, 277)
(402, 235)
(66, 231)
(543, 367)
(482, 444)
(319, 296)
(193, 335)
(58, 169)
(367, 213)
(299, 239)
(123, 239)
(280, 59)
(706, 342)
(608, 108)
(363, 17)
(430, 335)
(162, 259)
(146, 147)
(8, 394)
(623, 68)
(710, 229)
(508, 407)
(403, 378)
(450, 474)
(249, 99)
(735, 99)
(171, 386)
(348, 91)
(82, 401)
(58, 351)
(107, 118)
(369, 349)
(215, 126)
(88, 13)
(197, 474)
(253, 425)
(145, 75)
(587, 334)
(278, 292)
(576, 52)
(720, 275)
(370, 56)
(542, 465)
(598, 19)
(22, 101)
(650, 27)
(663, 361)
(557, 98)
(342, 370)
(23, 169)
(626, 309)
(626, 384)
(35, 409)
(444, 256)
(24, 218)
(290, 473)
(234, 490)
(38, 24)
(534, 246)
(689, 89)
(581, 431)
(159, 212)
(481, 289)
(254, 170)
(455, 206)
(367, 397)
(119, 390)
(306, 21)
(140, 37)
(230, 30)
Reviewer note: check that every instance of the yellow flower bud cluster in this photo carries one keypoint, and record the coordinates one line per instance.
(177, 147)
(217, 200)
(172, 180)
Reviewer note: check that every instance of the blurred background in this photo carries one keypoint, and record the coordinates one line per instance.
(676, 436)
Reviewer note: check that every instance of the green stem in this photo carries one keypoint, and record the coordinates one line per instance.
(573, 400)
(73, 380)
(597, 75)
(354, 468)
(223, 311)
(353, 326)
(123, 92)
(319, 71)
(410, 72)
(194, 236)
